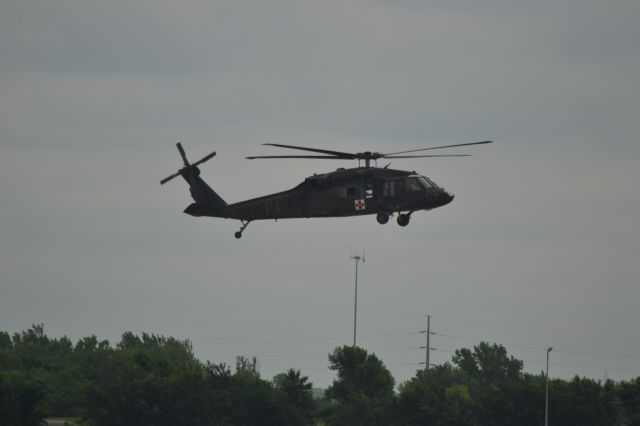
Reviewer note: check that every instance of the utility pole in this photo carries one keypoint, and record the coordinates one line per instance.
(426, 365)
(355, 305)
(546, 397)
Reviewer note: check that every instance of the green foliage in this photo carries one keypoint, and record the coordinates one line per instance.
(363, 389)
(5, 341)
(252, 399)
(358, 373)
(147, 380)
(629, 396)
(439, 396)
(582, 401)
(152, 379)
(488, 362)
(21, 399)
(293, 396)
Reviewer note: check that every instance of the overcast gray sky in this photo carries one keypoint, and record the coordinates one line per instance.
(541, 246)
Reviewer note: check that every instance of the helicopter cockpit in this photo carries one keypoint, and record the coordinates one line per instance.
(426, 182)
(409, 184)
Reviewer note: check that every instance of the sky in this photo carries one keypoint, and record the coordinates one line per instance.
(540, 248)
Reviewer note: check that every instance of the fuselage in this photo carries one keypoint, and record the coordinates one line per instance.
(344, 192)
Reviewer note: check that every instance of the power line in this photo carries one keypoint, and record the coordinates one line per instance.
(536, 348)
(443, 335)
(244, 342)
(632, 340)
(303, 354)
(593, 354)
(403, 349)
(603, 355)
(560, 364)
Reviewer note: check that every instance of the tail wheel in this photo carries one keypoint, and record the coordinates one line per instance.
(244, 223)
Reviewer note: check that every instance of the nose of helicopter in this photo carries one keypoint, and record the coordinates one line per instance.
(446, 197)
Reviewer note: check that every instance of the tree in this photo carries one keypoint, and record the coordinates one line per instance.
(252, 399)
(629, 395)
(5, 341)
(488, 362)
(294, 398)
(438, 396)
(363, 389)
(145, 380)
(580, 401)
(21, 399)
(219, 379)
(512, 403)
(358, 373)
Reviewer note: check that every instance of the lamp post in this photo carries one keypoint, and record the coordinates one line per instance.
(546, 397)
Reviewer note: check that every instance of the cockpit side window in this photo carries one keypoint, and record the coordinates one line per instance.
(413, 185)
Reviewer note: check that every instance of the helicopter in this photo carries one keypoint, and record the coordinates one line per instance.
(362, 190)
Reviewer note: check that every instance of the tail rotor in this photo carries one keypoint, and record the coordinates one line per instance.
(182, 154)
(187, 166)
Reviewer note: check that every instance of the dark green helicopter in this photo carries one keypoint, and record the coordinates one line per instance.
(345, 192)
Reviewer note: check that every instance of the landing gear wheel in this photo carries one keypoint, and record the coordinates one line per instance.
(403, 219)
(245, 223)
(382, 218)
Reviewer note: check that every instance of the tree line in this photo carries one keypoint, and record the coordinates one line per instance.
(150, 379)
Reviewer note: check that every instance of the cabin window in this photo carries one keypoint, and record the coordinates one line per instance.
(351, 191)
(393, 188)
(413, 185)
(389, 189)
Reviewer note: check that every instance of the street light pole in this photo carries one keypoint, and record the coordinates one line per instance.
(546, 398)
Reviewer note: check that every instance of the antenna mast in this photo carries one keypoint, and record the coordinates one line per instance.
(355, 304)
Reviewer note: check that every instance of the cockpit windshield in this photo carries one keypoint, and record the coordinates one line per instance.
(426, 183)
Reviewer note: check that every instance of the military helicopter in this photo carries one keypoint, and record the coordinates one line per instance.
(344, 192)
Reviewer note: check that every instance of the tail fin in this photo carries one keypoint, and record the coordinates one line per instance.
(207, 201)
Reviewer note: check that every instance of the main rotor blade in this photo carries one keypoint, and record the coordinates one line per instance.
(425, 156)
(168, 178)
(205, 158)
(439, 147)
(299, 156)
(182, 154)
(344, 155)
